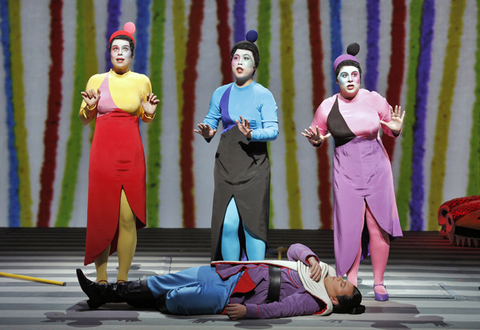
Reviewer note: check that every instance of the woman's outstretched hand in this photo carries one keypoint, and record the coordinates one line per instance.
(91, 97)
(396, 122)
(150, 104)
(314, 136)
(205, 130)
(244, 127)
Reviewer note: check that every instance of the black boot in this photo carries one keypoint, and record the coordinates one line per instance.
(135, 293)
(95, 292)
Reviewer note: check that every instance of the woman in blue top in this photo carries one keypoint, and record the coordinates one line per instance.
(241, 199)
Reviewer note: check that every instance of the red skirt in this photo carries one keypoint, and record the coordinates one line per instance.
(117, 161)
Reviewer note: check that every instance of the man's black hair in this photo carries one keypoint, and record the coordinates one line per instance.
(350, 303)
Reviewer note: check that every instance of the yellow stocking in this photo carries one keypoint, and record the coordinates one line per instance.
(127, 238)
(101, 265)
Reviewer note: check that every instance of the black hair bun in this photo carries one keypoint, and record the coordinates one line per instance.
(252, 36)
(353, 49)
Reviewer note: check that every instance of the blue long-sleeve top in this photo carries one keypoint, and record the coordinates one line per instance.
(253, 102)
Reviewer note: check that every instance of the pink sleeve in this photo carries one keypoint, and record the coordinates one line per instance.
(384, 112)
(321, 115)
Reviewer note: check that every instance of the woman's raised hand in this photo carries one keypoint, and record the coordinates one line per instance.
(150, 104)
(205, 130)
(314, 136)
(396, 122)
(91, 97)
(244, 127)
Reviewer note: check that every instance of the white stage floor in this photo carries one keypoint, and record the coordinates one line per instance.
(431, 283)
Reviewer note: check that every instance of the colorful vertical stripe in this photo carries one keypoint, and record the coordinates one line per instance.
(50, 138)
(473, 187)
(142, 36)
(154, 156)
(223, 40)
(445, 98)
(336, 44)
(195, 21)
(405, 176)
(180, 51)
(324, 189)
(373, 49)
(14, 180)
(397, 67)
(169, 37)
(113, 24)
(239, 20)
(85, 66)
(19, 115)
(264, 41)
(263, 74)
(423, 77)
(288, 108)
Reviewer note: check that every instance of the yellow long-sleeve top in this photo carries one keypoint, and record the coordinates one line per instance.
(124, 92)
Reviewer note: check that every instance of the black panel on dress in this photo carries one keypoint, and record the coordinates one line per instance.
(338, 127)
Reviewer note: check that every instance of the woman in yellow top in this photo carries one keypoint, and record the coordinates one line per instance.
(116, 183)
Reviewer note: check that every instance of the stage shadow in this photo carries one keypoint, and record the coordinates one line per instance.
(241, 324)
(409, 317)
(80, 316)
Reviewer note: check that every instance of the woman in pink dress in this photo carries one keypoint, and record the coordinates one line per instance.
(365, 211)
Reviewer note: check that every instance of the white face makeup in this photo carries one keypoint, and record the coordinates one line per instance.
(349, 81)
(243, 66)
(337, 286)
(121, 55)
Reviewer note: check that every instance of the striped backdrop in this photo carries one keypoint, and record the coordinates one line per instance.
(421, 54)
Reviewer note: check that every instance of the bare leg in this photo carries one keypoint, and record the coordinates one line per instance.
(101, 265)
(379, 250)
(127, 238)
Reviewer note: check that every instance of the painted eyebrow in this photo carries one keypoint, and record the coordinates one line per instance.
(353, 72)
(236, 54)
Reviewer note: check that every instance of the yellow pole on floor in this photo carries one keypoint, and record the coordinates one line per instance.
(35, 279)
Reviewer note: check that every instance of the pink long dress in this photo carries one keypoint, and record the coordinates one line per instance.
(362, 172)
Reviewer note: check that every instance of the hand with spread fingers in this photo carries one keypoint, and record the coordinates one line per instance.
(396, 122)
(91, 97)
(314, 136)
(205, 130)
(150, 104)
(244, 127)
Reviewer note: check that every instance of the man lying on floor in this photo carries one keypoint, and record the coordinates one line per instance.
(240, 289)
